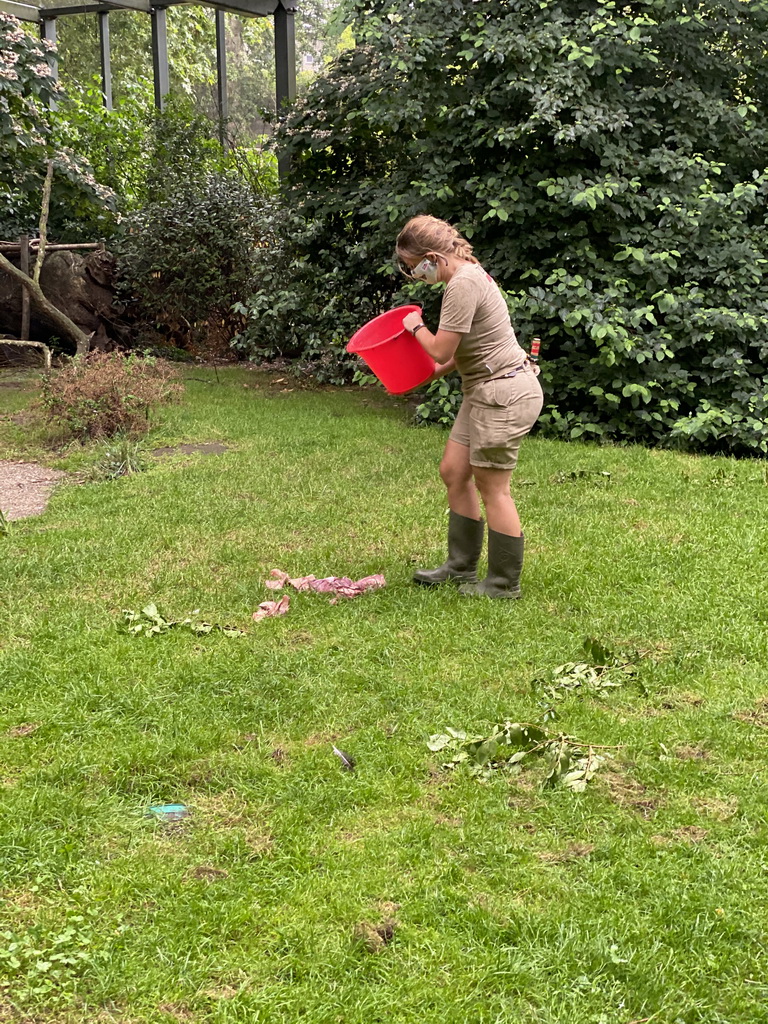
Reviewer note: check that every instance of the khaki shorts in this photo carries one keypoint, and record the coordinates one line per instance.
(495, 416)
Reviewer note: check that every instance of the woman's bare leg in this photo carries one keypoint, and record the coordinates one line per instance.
(500, 509)
(457, 475)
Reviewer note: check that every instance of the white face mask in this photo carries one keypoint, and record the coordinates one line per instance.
(426, 271)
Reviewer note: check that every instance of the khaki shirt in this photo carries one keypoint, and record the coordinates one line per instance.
(474, 307)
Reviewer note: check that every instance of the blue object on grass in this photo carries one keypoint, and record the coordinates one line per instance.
(168, 812)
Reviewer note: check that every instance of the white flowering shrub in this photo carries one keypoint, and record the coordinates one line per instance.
(30, 136)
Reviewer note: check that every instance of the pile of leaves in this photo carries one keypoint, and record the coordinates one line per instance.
(149, 622)
(512, 746)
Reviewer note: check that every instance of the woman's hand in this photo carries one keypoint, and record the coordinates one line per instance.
(411, 320)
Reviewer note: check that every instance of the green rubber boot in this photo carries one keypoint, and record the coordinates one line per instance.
(505, 564)
(465, 542)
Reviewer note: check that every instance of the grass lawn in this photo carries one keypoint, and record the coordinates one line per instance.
(643, 898)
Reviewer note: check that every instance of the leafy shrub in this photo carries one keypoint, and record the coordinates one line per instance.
(185, 259)
(607, 163)
(144, 154)
(306, 307)
(108, 393)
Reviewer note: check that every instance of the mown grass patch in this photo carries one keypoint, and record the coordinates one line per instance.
(640, 898)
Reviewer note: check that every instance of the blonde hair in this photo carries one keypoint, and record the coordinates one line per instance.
(425, 234)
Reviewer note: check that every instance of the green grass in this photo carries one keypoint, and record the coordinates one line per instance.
(643, 898)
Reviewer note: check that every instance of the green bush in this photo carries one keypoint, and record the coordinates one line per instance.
(607, 162)
(143, 154)
(306, 305)
(185, 259)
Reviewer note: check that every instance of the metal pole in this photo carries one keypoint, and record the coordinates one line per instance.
(221, 75)
(48, 31)
(285, 66)
(285, 55)
(160, 55)
(24, 265)
(106, 59)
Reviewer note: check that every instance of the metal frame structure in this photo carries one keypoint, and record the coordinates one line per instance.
(282, 11)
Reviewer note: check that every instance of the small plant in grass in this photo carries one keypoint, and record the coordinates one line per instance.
(46, 963)
(108, 394)
(5, 526)
(121, 457)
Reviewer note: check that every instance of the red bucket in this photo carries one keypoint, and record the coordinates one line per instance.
(393, 353)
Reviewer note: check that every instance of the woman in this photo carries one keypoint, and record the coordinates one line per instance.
(502, 401)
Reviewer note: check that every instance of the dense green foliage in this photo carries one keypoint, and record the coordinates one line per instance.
(306, 306)
(31, 135)
(608, 164)
(185, 258)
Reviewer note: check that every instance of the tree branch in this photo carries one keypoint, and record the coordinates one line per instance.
(62, 321)
(43, 231)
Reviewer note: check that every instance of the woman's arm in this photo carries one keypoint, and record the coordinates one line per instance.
(443, 369)
(441, 346)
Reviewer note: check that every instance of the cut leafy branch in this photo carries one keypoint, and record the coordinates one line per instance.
(149, 622)
(512, 746)
(602, 670)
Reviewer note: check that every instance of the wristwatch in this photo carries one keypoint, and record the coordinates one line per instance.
(418, 327)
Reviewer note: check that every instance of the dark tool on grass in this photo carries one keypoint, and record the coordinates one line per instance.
(347, 762)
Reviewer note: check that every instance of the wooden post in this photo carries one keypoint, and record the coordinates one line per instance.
(24, 264)
(48, 31)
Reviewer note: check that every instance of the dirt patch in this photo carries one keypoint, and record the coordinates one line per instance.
(758, 715)
(25, 488)
(715, 807)
(225, 992)
(628, 792)
(226, 811)
(210, 448)
(25, 729)
(318, 739)
(686, 753)
(208, 873)
(680, 701)
(177, 1010)
(687, 834)
(375, 937)
(573, 852)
